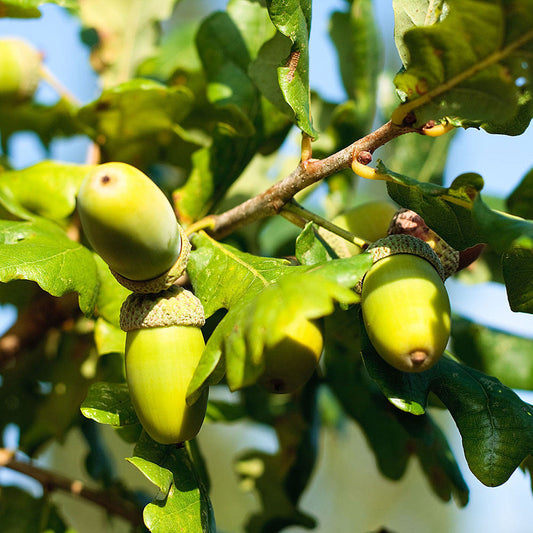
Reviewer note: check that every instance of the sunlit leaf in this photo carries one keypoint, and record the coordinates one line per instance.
(185, 505)
(472, 64)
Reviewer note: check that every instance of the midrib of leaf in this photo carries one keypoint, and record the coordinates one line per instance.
(134, 19)
(233, 257)
(490, 60)
(431, 12)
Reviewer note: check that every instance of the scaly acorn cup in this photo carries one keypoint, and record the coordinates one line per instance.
(20, 65)
(406, 309)
(164, 344)
(290, 363)
(369, 221)
(131, 224)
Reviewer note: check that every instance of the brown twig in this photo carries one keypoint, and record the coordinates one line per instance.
(308, 172)
(53, 481)
(44, 312)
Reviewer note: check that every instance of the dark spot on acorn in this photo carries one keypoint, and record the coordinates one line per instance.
(418, 357)
(278, 385)
(105, 179)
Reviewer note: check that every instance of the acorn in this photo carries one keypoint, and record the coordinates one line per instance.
(369, 221)
(131, 224)
(290, 362)
(405, 306)
(20, 74)
(164, 344)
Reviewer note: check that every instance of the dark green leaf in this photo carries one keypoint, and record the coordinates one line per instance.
(517, 269)
(185, 504)
(22, 513)
(494, 352)
(520, 202)
(392, 434)
(109, 403)
(495, 424)
(40, 251)
(29, 8)
(468, 65)
(293, 19)
(244, 121)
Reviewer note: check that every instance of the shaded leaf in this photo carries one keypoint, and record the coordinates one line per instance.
(520, 201)
(21, 512)
(138, 122)
(468, 66)
(280, 479)
(48, 122)
(358, 44)
(244, 121)
(310, 247)
(494, 352)
(109, 403)
(185, 504)
(293, 19)
(29, 8)
(496, 426)
(392, 434)
(517, 269)
(40, 251)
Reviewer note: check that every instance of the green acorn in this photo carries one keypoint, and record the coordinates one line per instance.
(406, 309)
(132, 226)
(290, 363)
(20, 73)
(164, 344)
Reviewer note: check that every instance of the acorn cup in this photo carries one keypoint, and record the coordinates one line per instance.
(164, 344)
(405, 306)
(290, 363)
(20, 65)
(131, 224)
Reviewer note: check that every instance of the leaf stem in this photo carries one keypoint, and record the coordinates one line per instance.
(52, 481)
(295, 208)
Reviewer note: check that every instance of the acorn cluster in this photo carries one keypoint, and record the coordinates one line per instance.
(130, 223)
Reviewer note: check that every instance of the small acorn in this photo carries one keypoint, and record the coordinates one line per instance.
(290, 363)
(369, 221)
(405, 306)
(164, 344)
(131, 224)
(20, 73)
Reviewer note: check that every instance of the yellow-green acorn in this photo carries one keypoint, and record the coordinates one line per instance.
(290, 363)
(164, 344)
(132, 226)
(369, 221)
(406, 309)
(20, 73)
